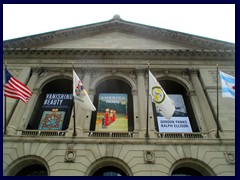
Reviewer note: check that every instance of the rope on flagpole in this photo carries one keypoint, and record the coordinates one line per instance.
(147, 134)
(74, 109)
(5, 104)
(217, 134)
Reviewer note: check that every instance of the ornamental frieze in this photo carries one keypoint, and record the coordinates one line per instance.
(86, 54)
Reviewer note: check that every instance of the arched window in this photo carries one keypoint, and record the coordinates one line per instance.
(28, 166)
(114, 103)
(53, 108)
(183, 119)
(186, 171)
(191, 167)
(109, 166)
(109, 171)
(33, 170)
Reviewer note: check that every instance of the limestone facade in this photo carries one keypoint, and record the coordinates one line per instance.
(121, 50)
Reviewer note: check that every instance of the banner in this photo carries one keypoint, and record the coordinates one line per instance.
(179, 121)
(112, 113)
(56, 111)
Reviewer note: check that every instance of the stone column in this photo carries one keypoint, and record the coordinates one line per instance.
(142, 101)
(86, 114)
(23, 111)
(204, 105)
(135, 110)
(197, 111)
(151, 123)
(83, 115)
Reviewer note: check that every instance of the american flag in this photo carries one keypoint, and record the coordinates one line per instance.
(16, 89)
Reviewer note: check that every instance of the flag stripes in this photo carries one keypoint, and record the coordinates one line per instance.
(228, 85)
(16, 89)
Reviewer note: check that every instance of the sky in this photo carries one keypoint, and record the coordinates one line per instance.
(215, 21)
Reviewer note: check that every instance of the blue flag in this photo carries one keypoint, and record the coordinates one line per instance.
(228, 85)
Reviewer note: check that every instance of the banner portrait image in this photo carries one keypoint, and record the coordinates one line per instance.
(112, 113)
(179, 121)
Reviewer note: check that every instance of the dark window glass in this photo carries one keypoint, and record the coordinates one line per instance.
(109, 171)
(33, 170)
(186, 171)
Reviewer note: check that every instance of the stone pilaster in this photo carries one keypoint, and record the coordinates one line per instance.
(197, 111)
(142, 101)
(83, 116)
(135, 110)
(23, 111)
(207, 115)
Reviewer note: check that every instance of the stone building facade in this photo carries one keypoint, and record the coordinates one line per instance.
(112, 57)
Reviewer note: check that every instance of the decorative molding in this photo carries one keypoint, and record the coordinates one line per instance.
(117, 24)
(149, 157)
(70, 156)
(193, 72)
(131, 75)
(185, 76)
(140, 71)
(87, 70)
(230, 157)
(117, 54)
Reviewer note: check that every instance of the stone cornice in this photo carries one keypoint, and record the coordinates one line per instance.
(152, 141)
(32, 53)
(117, 24)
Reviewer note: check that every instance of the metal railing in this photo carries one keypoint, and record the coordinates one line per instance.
(195, 135)
(180, 135)
(42, 133)
(111, 134)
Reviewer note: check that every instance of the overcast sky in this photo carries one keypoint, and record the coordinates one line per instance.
(216, 21)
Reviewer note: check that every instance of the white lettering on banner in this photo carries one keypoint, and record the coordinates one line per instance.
(60, 100)
(53, 102)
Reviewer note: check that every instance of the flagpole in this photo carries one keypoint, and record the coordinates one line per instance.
(147, 135)
(217, 134)
(74, 111)
(5, 105)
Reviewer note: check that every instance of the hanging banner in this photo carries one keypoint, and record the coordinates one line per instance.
(56, 110)
(179, 121)
(112, 113)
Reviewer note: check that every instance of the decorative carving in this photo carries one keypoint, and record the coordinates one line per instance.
(149, 157)
(70, 156)
(37, 70)
(140, 71)
(193, 72)
(96, 74)
(184, 75)
(118, 55)
(230, 157)
(131, 75)
(87, 70)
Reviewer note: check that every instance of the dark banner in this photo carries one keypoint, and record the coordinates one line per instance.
(56, 111)
(57, 100)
